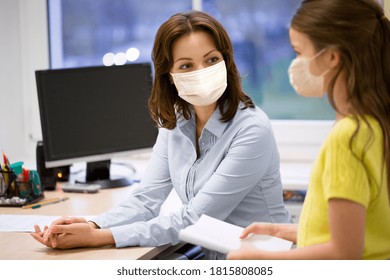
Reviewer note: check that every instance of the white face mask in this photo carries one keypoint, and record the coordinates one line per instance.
(303, 81)
(202, 87)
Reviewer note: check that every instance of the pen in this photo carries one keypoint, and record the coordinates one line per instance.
(46, 202)
(26, 175)
(5, 159)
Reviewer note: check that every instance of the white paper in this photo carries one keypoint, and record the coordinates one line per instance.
(25, 223)
(223, 237)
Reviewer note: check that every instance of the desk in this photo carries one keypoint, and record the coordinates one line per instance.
(21, 246)
(16, 246)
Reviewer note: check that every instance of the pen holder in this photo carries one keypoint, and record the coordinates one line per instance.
(14, 192)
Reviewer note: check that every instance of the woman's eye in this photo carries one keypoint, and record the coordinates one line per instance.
(213, 60)
(185, 66)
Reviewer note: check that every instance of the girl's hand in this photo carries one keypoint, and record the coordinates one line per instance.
(284, 231)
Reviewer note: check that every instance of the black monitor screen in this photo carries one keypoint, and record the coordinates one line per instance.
(94, 113)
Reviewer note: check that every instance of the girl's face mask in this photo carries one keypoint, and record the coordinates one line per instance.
(202, 87)
(302, 80)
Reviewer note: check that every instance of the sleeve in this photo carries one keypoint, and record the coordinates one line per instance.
(145, 202)
(247, 160)
(345, 175)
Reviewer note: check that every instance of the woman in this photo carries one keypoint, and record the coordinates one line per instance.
(343, 48)
(215, 148)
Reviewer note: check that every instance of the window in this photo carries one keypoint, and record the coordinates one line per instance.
(82, 33)
(259, 31)
(122, 31)
(118, 32)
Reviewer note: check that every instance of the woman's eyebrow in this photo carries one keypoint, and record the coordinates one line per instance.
(183, 58)
(210, 52)
(189, 58)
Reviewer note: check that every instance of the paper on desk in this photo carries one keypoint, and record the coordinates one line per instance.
(25, 223)
(223, 237)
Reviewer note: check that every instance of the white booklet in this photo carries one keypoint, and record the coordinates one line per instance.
(223, 237)
(25, 223)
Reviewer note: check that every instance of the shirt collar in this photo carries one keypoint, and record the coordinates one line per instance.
(213, 125)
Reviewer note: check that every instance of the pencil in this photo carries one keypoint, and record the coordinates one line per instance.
(45, 202)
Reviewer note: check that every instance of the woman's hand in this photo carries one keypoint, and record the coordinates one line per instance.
(49, 235)
(38, 234)
(80, 235)
(71, 232)
(46, 237)
(284, 231)
(65, 236)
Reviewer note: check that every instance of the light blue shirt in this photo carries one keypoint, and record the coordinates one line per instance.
(236, 178)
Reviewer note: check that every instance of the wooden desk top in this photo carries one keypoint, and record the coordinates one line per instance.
(21, 246)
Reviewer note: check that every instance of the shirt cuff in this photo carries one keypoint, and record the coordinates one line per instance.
(124, 236)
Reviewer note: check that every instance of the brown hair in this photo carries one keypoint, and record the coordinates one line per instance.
(361, 33)
(164, 100)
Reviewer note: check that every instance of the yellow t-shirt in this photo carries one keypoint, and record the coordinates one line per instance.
(337, 173)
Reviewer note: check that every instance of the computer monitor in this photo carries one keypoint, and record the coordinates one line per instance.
(93, 114)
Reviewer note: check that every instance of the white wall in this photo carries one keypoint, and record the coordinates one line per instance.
(23, 50)
(11, 117)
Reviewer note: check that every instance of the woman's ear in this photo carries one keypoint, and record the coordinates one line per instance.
(333, 58)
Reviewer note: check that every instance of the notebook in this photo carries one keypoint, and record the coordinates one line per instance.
(224, 237)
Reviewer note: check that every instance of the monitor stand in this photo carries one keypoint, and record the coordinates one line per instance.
(98, 172)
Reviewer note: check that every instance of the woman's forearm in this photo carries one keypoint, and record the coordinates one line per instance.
(102, 237)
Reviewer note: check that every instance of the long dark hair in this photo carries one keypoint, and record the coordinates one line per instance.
(164, 100)
(361, 33)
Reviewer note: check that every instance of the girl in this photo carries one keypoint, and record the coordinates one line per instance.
(343, 48)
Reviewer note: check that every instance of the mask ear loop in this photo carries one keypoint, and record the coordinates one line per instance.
(314, 57)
